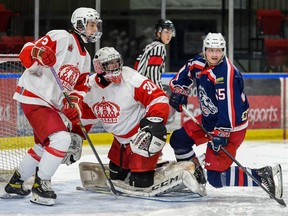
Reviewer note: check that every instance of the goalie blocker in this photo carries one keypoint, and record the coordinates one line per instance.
(173, 176)
(150, 138)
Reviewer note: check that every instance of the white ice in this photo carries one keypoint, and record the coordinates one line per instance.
(226, 201)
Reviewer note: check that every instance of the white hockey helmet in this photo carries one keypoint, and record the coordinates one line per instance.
(214, 40)
(108, 62)
(80, 18)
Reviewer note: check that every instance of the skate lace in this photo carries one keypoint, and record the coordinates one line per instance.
(266, 179)
(46, 185)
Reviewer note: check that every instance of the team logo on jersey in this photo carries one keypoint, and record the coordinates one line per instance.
(206, 104)
(220, 80)
(70, 47)
(69, 75)
(106, 111)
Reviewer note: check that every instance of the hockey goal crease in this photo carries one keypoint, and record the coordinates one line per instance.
(15, 131)
(170, 178)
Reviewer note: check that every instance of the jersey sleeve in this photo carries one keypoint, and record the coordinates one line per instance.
(153, 99)
(25, 54)
(184, 77)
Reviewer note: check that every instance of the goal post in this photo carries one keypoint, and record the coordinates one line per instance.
(15, 130)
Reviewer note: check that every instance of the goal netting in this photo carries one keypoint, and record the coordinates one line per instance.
(15, 131)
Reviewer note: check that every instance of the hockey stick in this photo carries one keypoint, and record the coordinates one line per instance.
(280, 201)
(112, 188)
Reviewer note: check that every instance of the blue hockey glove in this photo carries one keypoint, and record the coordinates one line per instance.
(178, 98)
(220, 138)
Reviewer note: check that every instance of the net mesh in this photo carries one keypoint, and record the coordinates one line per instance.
(15, 131)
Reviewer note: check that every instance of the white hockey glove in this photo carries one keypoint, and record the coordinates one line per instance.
(74, 151)
(150, 138)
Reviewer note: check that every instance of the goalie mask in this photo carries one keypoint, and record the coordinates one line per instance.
(80, 19)
(108, 62)
(150, 138)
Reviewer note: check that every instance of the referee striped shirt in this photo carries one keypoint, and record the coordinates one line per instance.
(151, 62)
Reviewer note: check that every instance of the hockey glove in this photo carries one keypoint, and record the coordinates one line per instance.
(220, 138)
(73, 113)
(44, 54)
(150, 138)
(75, 150)
(178, 98)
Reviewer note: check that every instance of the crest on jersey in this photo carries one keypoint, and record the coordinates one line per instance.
(70, 47)
(206, 104)
(106, 111)
(69, 75)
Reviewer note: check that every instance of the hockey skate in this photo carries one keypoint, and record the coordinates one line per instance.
(15, 189)
(42, 192)
(271, 178)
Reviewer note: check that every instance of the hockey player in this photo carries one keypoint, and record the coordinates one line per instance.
(134, 110)
(151, 63)
(42, 100)
(224, 113)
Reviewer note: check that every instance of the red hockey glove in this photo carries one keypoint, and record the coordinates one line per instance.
(44, 54)
(220, 138)
(73, 113)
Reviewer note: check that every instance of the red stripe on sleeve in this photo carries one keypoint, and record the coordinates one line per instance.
(155, 60)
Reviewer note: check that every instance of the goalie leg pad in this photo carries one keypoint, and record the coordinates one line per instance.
(74, 151)
(168, 178)
(116, 172)
(142, 179)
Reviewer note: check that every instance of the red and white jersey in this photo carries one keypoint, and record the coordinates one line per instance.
(120, 107)
(37, 84)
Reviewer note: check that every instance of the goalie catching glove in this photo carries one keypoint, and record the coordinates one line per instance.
(150, 138)
(74, 151)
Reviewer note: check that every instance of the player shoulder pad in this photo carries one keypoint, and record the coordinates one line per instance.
(60, 35)
(132, 77)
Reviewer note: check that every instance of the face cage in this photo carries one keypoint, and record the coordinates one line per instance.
(110, 69)
(81, 29)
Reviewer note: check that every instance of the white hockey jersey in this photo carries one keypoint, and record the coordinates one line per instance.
(37, 84)
(120, 107)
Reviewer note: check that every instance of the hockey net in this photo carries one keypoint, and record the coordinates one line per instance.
(15, 131)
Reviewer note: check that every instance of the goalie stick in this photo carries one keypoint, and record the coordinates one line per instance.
(280, 201)
(112, 188)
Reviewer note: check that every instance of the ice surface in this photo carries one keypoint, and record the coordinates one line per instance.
(226, 201)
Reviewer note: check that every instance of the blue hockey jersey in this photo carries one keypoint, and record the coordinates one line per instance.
(220, 91)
